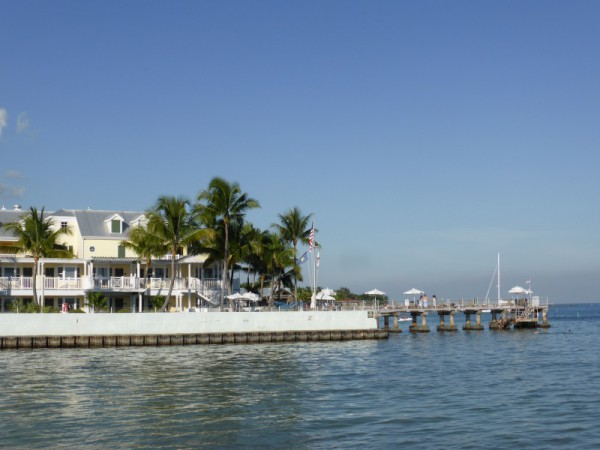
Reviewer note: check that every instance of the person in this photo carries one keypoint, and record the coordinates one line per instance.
(434, 300)
(425, 300)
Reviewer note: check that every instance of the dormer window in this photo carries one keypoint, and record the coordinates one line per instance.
(139, 221)
(115, 224)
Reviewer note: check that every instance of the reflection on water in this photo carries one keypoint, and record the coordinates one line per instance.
(442, 390)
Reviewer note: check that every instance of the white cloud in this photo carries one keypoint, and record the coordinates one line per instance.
(11, 192)
(3, 119)
(15, 174)
(22, 123)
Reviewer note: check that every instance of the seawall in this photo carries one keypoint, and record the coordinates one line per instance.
(101, 330)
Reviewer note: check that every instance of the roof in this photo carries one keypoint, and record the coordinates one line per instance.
(8, 216)
(93, 223)
(192, 259)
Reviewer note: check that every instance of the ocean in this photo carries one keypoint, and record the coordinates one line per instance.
(532, 389)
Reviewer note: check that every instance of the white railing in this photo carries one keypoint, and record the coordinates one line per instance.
(48, 283)
(16, 282)
(117, 283)
(126, 283)
(62, 283)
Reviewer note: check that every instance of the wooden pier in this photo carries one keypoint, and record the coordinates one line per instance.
(519, 315)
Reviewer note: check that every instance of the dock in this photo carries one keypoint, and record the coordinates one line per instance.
(519, 315)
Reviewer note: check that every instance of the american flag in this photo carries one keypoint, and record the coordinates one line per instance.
(311, 239)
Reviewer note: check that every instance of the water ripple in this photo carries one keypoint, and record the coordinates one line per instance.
(452, 390)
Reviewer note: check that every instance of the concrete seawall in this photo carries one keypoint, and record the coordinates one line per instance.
(109, 330)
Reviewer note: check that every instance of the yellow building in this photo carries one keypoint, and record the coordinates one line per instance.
(102, 264)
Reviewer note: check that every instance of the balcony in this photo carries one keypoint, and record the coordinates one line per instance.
(11, 283)
(24, 285)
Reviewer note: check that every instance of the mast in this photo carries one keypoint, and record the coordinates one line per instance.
(499, 278)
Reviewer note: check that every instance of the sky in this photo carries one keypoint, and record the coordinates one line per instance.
(426, 137)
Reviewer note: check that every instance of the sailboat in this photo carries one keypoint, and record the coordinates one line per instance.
(496, 273)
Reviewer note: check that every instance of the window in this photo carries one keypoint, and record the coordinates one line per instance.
(159, 272)
(69, 272)
(121, 251)
(64, 225)
(102, 272)
(115, 226)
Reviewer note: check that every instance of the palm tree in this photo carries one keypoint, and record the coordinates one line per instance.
(96, 301)
(39, 238)
(277, 257)
(145, 245)
(294, 228)
(170, 222)
(250, 245)
(224, 202)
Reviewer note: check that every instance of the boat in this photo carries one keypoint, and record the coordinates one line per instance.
(404, 318)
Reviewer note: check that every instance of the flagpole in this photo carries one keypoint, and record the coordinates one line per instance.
(313, 300)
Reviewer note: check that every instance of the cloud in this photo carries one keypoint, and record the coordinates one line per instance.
(22, 123)
(13, 189)
(14, 174)
(11, 192)
(3, 119)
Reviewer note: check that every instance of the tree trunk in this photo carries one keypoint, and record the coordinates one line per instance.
(295, 273)
(224, 287)
(271, 294)
(172, 283)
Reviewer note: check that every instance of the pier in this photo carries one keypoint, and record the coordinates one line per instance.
(519, 315)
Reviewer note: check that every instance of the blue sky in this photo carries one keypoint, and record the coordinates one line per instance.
(425, 136)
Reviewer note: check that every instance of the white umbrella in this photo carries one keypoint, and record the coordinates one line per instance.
(250, 296)
(327, 291)
(414, 291)
(375, 292)
(323, 296)
(518, 290)
(235, 296)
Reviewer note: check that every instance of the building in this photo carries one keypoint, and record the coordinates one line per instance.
(102, 264)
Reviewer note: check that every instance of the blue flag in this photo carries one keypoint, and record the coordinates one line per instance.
(302, 259)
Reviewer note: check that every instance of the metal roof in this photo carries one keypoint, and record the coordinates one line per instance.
(93, 223)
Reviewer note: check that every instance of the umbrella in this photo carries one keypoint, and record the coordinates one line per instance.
(327, 291)
(518, 290)
(374, 292)
(250, 296)
(235, 296)
(413, 291)
(322, 296)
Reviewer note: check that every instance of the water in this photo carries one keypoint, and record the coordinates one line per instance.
(510, 389)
